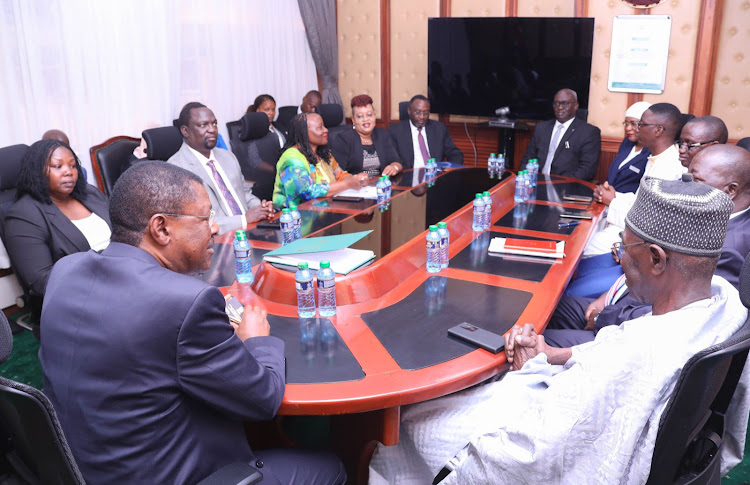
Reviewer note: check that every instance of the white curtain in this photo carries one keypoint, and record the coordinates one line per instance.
(97, 69)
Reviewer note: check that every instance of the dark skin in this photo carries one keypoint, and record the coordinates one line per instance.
(311, 101)
(201, 134)
(62, 174)
(692, 133)
(185, 245)
(727, 168)
(604, 193)
(565, 105)
(651, 276)
(652, 133)
(317, 134)
(419, 112)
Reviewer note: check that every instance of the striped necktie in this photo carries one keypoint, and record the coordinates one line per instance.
(231, 202)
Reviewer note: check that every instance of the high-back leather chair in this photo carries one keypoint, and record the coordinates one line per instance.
(10, 165)
(286, 113)
(257, 150)
(108, 159)
(691, 430)
(403, 110)
(233, 128)
(34, 445)
(162, 142)
(333, 117)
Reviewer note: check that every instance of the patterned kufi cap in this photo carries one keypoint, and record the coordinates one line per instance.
(684, 216)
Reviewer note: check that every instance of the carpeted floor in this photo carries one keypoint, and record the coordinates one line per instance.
(23, 366)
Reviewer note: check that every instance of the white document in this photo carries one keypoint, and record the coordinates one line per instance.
(497, 245)
(343, 261)
(369, 192)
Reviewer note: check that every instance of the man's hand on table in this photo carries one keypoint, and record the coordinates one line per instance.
(259, 212)
(254, 323)
(604, 193)
(523, 344)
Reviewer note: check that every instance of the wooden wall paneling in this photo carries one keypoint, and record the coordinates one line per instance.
(385, 61)
(706, 49)
(511, 8)
(445, 8)
(581, 8)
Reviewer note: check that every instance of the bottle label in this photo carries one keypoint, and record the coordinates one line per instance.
(444, 241)
(432, 244)
(324, 284)
(241, 253)
(287, 225)
(303, 285)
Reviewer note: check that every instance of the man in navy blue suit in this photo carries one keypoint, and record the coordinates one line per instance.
(150, 381)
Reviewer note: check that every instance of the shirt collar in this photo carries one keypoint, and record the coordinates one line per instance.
(565, 125)
(200, 156)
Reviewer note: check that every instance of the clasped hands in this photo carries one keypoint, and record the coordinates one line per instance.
(604, 193)
(262, 211)
(523, 344)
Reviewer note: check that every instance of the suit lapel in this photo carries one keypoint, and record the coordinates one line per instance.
(197, 168)
(566, 136)
(64, 226)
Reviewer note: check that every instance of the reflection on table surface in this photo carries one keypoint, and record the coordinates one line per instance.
(388, 344)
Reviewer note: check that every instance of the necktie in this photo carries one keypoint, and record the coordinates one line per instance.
(231, 202)
(423, 146)
(552, 147)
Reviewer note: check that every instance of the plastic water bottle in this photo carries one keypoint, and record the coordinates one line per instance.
(326, 290)
(533, 167)
(431, 169)
(478, 221)
(445, 242)
(380, 191)
(303, 281)
(433, 250)
(243, 265)
(487, 209)
(500, 165)
(287, 227)
(388, 190)
(492, 165)
(297, 220)
(520, 187)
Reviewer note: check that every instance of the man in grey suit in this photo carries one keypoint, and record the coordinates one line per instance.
(218, 168)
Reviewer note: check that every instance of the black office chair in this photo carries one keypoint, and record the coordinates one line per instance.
(689, 440)
(233, 128)
(33, 444)
(582, 114)
(257, 150)
(10, 165)
(403, 110)
(683, 121)
(286, 113)
(744, 143)
(108, 158)
(162, 142)
(333, 118)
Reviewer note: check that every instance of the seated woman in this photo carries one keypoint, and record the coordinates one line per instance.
(56, 213)
(306, 169)
(266, 104)
(365, 148)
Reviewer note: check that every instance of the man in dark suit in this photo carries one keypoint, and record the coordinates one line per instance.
(566, 146)
(233, 202)
(310, 103)
(421, 138)
(724, 167)
(150, 381)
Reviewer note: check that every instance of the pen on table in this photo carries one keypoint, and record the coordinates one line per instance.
(560, 225)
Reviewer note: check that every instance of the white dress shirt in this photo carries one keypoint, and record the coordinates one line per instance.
(419, 161)
(204, 163)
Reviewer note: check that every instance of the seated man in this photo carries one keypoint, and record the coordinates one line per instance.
(310, 103)
(148, 378)
(725, 167)
(699, 133)
(421, 138)
(218, 168)
(566, 146)
(589, 414)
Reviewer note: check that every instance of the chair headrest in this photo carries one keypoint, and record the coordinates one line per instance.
(332, 114)
(10, 164)
(6, 338)
(254, 126)
(162, 142)
(745, 282)
(403, 110)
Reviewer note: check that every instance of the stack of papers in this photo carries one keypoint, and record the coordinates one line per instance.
(313, 250)
(368, 192)
(528, 247)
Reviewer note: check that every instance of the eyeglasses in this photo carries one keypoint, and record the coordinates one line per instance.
(634, 124)
(561, 104)
(684, 145)
(641, 124)
(210, 218)
(617, 247)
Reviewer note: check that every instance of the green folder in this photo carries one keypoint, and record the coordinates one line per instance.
(318, 244)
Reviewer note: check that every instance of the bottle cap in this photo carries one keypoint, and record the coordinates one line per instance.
(325, 264)
(478, 196)
(302, 265)
(285, 211)
(240, 235)
(433, 228)
(486, 193)
(293, 207)
(492, 154)
(442, 224)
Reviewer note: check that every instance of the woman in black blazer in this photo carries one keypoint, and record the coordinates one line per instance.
(56, 213)
(365, 148)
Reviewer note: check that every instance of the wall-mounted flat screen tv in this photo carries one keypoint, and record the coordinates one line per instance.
(476, 65)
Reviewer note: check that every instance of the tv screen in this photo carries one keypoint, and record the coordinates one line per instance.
(477, 65)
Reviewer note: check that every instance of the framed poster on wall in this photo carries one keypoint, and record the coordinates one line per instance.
(638, 53)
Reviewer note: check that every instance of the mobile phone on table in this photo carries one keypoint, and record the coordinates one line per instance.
(480, 337)
(578, 198)
(576, 215)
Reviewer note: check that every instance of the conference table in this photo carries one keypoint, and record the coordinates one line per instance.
(388, 345)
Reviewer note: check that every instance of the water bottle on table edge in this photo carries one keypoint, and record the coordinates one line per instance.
(287, 227)
(492, 165)
(433, 250)
(326, 290)
(520, 186)
(243, 265)
(303, 281)
(380, 191)
(500, 165)
(487, 209)
(388, 190)
(445, 241)
(297, 220)
(478, 221)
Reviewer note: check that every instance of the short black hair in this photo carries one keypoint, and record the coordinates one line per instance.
(416, 97)
(147, 188)
(669, 116)
(714, 125)
(298, 137)
(33, 176)
(262, 98)
(184, 117)
(744, 143)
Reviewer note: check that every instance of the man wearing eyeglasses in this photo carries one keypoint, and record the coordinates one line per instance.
(698, 134)
(566, 146)
(150, 381)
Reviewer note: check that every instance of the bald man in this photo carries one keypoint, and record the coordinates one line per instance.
(698, 134)
(58, 135)
(566, 146)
